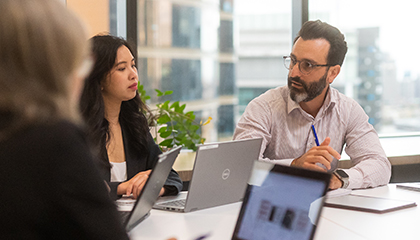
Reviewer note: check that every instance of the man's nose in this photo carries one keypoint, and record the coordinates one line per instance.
(294, 70)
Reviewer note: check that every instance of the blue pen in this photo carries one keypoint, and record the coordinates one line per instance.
(202, 236)
(317, 143)
(316, 137)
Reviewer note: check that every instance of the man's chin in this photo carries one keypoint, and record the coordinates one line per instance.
(298, 97)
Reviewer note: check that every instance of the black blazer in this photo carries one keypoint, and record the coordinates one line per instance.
(138, 161)
(51, 188)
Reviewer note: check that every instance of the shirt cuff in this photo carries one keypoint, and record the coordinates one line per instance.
(170, 190)
(355, 178)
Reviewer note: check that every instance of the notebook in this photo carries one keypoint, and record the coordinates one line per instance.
(368, 203)
(150, 191)
(414, 186)
(281, 202)
(220, 175)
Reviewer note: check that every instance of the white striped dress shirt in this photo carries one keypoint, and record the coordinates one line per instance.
(286, 131)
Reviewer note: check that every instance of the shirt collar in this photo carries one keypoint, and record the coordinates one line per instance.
(330, 100)
(291, 105)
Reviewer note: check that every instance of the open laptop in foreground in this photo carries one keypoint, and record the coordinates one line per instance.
(150, 191)
(220, 175)
(281, 202)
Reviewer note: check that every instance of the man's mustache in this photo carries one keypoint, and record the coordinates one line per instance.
(297, 80)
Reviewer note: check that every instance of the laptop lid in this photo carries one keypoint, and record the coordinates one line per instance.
(281, 202)
(221, 172)
(152, 187)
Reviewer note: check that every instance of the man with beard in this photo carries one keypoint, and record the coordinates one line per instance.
(286, 117)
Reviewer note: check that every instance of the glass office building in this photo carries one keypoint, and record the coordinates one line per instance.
(264, 38)
(217, 55)
(188, 47)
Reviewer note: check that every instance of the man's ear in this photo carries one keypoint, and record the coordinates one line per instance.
(333, 73)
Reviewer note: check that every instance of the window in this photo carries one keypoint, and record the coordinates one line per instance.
(188, 47)
(264, 33)
(381, 70)
(217, 55)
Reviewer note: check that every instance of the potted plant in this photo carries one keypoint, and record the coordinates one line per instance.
(173, 126)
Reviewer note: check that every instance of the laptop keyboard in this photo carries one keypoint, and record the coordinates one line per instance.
(174, 203)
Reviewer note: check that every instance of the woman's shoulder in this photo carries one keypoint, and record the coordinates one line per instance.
(51, 146)
(55, 132)
(52, 139)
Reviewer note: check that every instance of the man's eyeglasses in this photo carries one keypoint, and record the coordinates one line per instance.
(305, 66)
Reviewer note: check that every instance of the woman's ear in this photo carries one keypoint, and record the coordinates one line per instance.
(333, 73)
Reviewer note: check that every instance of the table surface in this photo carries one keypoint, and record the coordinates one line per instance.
(218, 223)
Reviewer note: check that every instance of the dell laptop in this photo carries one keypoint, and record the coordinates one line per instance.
(220, 175)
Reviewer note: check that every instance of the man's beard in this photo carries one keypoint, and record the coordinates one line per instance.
(308, 91)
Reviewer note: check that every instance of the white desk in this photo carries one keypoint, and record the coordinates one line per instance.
(335, 224)
(401, 224)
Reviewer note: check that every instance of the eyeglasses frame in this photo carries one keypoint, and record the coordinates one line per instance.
(300, 61)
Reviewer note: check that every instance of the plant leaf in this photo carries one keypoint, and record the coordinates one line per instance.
(165, 134)
(182, 107)
(168, 93)
(166, 142)
(162, 129)
(159, 93)
(180, 129)
(175, 105)
(163, 119)
(165, 105)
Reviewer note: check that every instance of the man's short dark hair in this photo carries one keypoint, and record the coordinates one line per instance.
(316, 30)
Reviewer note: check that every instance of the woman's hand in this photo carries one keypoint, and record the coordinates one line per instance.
(134, 185)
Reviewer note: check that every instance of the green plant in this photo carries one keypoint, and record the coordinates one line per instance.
(174, 126)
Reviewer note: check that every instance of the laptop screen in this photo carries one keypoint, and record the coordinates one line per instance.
(152, 187)
(281, 203)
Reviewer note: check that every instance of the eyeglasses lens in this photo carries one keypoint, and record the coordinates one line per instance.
(305, 67)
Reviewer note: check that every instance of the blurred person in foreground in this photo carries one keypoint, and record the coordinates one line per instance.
(50, 185)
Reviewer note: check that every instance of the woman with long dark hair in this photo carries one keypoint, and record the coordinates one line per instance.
(118, 129)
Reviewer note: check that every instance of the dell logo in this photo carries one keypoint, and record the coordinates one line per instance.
(226, 174)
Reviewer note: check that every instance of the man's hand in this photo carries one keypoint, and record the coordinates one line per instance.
(134, 185)
(322, 154)
(335, 183)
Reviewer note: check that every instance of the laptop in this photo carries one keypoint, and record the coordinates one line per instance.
(220, 175)
(281, 202)
(150, 191)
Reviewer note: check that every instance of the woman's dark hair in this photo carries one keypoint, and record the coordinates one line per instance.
(316, 30)
(104, 51)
